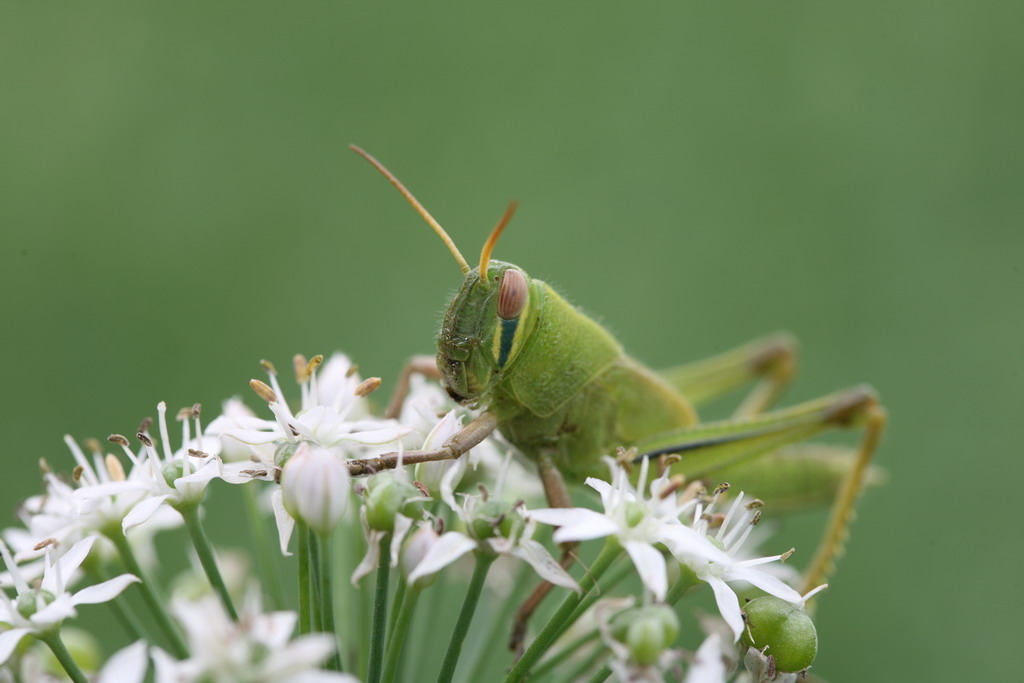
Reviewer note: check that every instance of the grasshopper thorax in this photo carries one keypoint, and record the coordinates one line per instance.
(484, 328)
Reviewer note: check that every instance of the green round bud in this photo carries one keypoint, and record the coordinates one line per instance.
(27, 605)
(284, 453)
(386, 498)
(635, 513)
(172, 471)
(493, 518)
(785, 629)
(646, 631)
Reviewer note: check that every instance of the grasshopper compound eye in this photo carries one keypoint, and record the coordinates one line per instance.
(512, 294)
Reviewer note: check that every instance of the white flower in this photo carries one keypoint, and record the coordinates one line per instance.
(425, 402)
(102, 498)
(638, 523)
(255, 649)
(315, 487)
(709, 662)
(36, 611)
(498, 528)
(235, 415)
(330, 412)
(127, 665)
(178, 478)
(430, 474)
(715, 559)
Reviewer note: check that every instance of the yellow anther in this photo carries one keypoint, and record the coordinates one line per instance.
(114, 468)
(367, 387)
(263, 390)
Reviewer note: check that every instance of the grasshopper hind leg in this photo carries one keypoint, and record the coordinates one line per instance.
(833, 541)
(708, 448)
(769, 361)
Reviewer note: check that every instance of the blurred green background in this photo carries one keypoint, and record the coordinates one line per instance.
(176, 202)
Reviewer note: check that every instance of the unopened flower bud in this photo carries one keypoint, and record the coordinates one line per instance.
(28, 605)
(784, 629)
(431, 473)
(389, 494)
(173, 470)
(315, 487)
(494, 518)
(646, 631)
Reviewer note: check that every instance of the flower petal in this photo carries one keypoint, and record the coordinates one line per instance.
(690, 546)
(450, 547)
(54, 613)
(576, 524)
(371, 559)
(141, 512)
(273, 629)
(66, 566)
(651, 566)
(285, 522)
(728, 605)
(168, 669)
(538, 557)
(764, 581)
(110, 489)
(9, 640)
(303, 653)
(103, 592)
(402, 526)
(708, 665)
(127, 665)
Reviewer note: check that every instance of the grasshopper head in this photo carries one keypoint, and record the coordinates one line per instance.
(481, 333)
(484, 329)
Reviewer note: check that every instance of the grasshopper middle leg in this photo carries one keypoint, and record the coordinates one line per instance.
(557, 494)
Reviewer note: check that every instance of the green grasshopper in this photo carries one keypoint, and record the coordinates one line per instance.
(560, 388)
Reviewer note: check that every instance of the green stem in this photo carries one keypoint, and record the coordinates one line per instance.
(687, 580)
(121, 609)
(60, 651)
(627, 569)
(305, 619)
(266, 550)
(602, 675)
(484, 656)
(129, 622)
(394, 652)
(476, 584)
(559, 621)
(206, 558)
(153, 600)
(396, 604)
(380, 608)
(327, 596)
(317, 619)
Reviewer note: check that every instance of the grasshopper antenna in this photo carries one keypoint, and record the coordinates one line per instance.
(485, 254)
(416, 205)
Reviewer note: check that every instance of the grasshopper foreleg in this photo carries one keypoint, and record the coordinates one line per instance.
(419, 365)
(462, 441)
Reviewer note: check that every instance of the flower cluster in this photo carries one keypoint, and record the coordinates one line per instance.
(386, 503)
